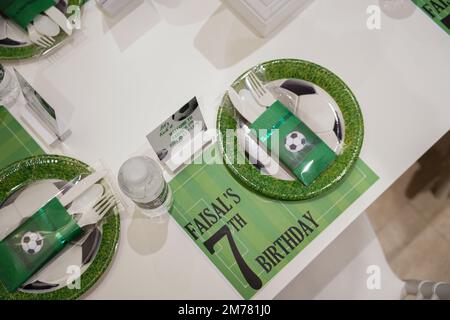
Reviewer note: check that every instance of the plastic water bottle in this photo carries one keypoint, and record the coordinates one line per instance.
(9, 88)
(141, 179)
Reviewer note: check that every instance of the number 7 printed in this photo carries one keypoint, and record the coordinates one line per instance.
(253, 280)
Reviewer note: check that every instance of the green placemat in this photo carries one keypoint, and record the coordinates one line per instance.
(438, 10)
(242, 232)
(16, 143)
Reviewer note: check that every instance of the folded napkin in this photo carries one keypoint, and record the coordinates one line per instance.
(34, 243)
(298, 147)
(16, 143)
(24, 11)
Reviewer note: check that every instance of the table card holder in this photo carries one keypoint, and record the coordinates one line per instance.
(178, 139)
(49, 117)
(265, 16)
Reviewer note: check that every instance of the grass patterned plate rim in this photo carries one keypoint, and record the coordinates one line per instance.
(274, 188)
(22, 173)
(30, 51)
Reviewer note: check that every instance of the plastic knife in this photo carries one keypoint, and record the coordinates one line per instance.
(60, 19)
(81, 187)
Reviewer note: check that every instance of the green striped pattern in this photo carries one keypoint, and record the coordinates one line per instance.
(438, 10)
(16, 143)
(199, 184)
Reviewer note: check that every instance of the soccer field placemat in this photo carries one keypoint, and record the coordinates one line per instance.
(438, 10)
(248, 237)
(15, 142)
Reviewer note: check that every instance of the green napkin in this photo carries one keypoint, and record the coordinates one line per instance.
(299, 148)
(16, 143)
(24, 11)
(34, 243)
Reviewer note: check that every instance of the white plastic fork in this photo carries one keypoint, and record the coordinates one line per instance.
(39, 39)
(98, 211)
(259, 91)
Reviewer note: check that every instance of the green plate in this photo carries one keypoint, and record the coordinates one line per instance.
(32, 50)
(275, 188)
(47, 167)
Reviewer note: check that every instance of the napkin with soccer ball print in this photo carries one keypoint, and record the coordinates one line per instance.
(34, 243)
(298, 147)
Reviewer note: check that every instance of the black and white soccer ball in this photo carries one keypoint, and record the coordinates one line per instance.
(185, 111)
(293, 93)
(295, 142)
(32, 242)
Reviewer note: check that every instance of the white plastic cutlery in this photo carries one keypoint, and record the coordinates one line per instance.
(261, 94)
(60, 19)
(46, 26)
(39, 39)
(37, 195)
(248, 111)
(98, 211)
(87, 200)
(81, 187)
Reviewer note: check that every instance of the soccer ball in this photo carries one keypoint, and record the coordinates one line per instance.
(162, 153)
(294, 141)
(32, 242)
(185, 111)
(315, 108)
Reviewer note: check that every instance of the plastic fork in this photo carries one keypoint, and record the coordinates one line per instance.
(259, 91)
(39, 39)
(98, 211)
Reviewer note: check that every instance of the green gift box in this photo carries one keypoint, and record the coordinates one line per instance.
(34, 243)
(299, 148)
(24, 11)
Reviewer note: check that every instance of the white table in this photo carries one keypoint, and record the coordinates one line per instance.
(124, 78)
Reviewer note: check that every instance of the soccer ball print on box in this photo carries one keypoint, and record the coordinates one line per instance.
(32, 242)
(294, 142)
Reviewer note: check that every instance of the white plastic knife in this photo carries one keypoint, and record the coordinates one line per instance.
(255, 151)
(60, 19)
(81, 187)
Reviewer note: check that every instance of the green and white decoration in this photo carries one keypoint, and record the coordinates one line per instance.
(279, 189)
(249, 237)
(23, 163)
(26, 49)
